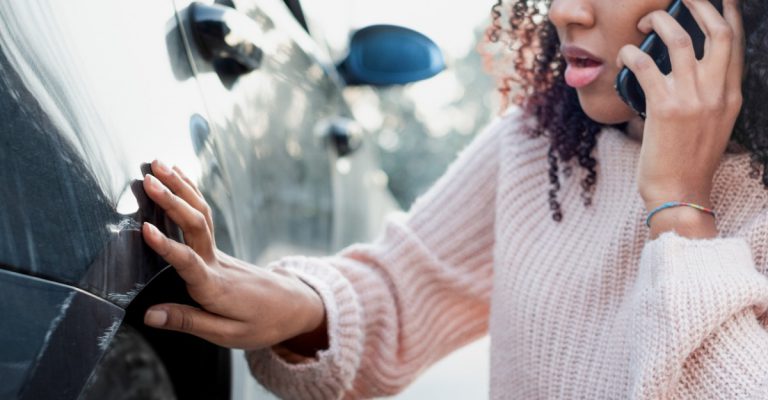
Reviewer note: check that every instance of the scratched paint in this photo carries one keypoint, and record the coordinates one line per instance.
(105, 338)
(124, 299)
(62, 311)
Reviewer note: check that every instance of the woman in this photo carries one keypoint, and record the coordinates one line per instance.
(581, 298)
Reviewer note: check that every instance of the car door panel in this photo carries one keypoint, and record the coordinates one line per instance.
(266, 122)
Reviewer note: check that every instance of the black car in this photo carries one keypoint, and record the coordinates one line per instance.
(239, 96)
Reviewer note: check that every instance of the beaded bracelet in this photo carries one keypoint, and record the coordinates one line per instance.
(671, 204)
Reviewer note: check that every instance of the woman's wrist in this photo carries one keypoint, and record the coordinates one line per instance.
(314, 335)
(685, 221)
(308, 344)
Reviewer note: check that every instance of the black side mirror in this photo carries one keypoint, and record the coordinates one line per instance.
(384, 55)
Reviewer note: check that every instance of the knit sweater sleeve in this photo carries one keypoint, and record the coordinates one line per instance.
(398, 304)
(696, 329)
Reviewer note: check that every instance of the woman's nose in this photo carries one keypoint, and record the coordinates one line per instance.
(565, 13)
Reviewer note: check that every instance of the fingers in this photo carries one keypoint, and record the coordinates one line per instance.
(187, 263)
(644, 68)
(719, 74)
(183, 187)
(732, 15)
(719, 35)
(186, 179)
(678, 42)
(204, 207)
(187, 319)
(191, 221)
(724, 53)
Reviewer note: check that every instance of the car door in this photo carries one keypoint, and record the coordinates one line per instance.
(265, 123)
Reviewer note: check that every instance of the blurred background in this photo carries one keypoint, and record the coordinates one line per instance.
(420, 128)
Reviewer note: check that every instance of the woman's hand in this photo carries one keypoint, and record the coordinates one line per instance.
(242, 306)
(690, 113)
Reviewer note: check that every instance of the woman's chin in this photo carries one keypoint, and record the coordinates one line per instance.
(608, 110)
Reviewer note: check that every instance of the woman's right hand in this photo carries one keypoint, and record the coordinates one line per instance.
(691, 112)
(242, 306)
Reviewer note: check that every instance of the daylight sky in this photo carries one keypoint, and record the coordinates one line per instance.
(448, 22)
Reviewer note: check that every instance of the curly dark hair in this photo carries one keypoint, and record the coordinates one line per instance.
(531, 75)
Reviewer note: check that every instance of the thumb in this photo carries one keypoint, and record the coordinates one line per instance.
(194, 321)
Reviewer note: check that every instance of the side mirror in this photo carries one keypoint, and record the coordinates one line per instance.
(384, 55)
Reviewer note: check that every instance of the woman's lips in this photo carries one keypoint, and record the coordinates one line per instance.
(583, 67)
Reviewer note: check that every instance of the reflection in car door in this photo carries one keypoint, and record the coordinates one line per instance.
(265, 125)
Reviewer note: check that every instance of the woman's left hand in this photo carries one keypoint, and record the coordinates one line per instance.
(691, 112)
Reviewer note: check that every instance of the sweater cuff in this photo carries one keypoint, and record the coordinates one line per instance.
(686, 291)
(331, 372)
(695, 285)
(714, 274)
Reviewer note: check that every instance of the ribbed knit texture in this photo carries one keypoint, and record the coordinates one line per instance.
(588, 308)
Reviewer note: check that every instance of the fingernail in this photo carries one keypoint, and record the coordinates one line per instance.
(152, 229)
(155, 318)
(162, 167)
(153, 182)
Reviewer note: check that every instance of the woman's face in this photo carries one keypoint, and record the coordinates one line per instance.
(601, 28)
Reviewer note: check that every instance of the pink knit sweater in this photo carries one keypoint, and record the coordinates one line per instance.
(588, 308)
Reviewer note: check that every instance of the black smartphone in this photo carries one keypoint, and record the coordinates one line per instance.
(626, 82)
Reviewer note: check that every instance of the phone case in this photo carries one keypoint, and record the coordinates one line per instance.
(627, 84)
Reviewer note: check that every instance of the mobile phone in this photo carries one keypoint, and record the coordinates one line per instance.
(627, 84)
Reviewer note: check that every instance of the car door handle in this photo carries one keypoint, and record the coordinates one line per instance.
(222, 33)
(343, 134)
